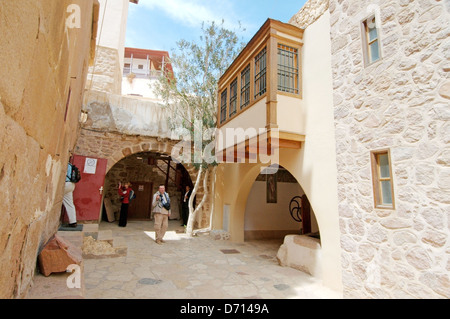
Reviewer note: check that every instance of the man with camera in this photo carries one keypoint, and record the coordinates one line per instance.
(161, 210)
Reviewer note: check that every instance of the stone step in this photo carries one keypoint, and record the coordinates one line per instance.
(105, 235)
(90, 230)
(104, 245)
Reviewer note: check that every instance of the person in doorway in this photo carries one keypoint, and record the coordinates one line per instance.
(161, 210)
(69, 187)
(124, 193)
(185, 205)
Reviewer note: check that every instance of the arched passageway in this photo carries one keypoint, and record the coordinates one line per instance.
(145, 171)
(277, 206)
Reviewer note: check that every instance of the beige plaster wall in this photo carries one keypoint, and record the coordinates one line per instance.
(314, 165)
(260, 215)
(41, 61)
(249, 122)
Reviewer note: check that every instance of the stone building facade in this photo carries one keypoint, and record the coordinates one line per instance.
(113, 132)
(399, 103)
(45, 49)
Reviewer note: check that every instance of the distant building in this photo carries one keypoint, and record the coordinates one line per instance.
(141, 69)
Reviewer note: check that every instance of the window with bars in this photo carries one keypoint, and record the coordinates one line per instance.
(372, 50)
(233, 97)
(245, 87)
(288, 69)
(260, 73)
(382, 179)
(223, 106)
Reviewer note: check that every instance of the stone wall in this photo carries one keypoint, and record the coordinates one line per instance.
(115, 147)
(43, 73)
(309, 13)
(401, 103)
(133, 169)
(105, 75)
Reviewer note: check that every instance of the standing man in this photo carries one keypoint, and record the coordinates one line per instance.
(69, 187)
(161, 210)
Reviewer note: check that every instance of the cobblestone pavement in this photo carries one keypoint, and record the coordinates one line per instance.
(193, 268)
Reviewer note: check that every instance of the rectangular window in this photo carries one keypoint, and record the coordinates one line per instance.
(223, 106)
(260, 73)
(245, 87)
(372, 50)
(233, 97)
(383, 187)
(287, 69)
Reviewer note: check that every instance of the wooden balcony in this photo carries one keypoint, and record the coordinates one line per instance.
(260, 94)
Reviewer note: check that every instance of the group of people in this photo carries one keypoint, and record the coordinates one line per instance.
(160, 206)
(160, 209)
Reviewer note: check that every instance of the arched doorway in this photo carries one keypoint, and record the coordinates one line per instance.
(146, 171)
(277, 206)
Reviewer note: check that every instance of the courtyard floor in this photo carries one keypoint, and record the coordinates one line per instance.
(194, 268)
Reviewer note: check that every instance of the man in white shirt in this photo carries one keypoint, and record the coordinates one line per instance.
(161, 210)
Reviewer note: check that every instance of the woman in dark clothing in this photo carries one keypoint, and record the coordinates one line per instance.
(124, 193)
(185, 205)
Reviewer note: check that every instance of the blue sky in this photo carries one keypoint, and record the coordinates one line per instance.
(159, 24)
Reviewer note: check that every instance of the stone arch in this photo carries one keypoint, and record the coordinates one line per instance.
(161, 146)
(328, 225)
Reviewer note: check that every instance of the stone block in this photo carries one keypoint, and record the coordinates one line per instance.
(219, 234)
(303, 253)
(90, 230)
(105, 235)
(57, 255)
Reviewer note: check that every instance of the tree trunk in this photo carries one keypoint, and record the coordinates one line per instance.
(211, 214)
(190, 224)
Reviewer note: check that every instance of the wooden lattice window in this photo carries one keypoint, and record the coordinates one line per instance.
(223, 106)
(260, 73)
(233, 97)
(287, 69)
(245, 87)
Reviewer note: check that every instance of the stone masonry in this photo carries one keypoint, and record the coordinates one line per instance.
(401, 103)
(42, 78)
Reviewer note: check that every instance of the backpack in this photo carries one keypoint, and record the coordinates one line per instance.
(75, 174)
(132, 195)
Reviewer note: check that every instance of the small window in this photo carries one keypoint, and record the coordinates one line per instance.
(223, 106)
(372, 50)
(383, 187)
(140, 67)
(127, 65)
(260, 73)
(287, 69)
(245, 87)
(233, 97)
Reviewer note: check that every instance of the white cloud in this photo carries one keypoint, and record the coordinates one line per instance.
(192, 13)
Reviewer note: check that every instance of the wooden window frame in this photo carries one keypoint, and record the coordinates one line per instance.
(260, 75)
(288, 66)
(233, 97)
(367, 42)
(245, 87)
(377, 179)
(223, 106)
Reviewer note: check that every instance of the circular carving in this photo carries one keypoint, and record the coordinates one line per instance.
(295, 208)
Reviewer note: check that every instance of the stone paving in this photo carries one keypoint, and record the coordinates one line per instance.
(194, 268)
